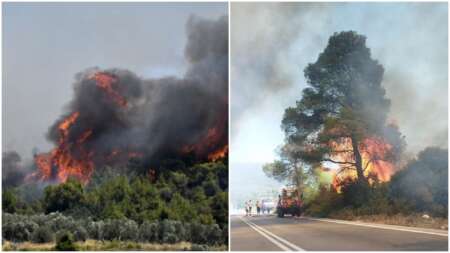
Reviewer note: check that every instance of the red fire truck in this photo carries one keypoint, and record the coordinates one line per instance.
(289, 202)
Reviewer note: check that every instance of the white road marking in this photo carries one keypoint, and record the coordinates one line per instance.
(272, 237)
(388, 227)
(281, 246)
(295, 247)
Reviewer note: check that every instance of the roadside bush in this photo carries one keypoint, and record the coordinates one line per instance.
(57, 221)
(17, 228)
(199, 247)
(111, 230)
(129, 230)
(214, 234)
(148, 232)
(42, 235)
(326, 201)
(96, 229)
(19, 231)
(182, 231)
(65, 242)
(355, 193)
(80, 234)
(122, 229)
(198, 233)
(168, 233)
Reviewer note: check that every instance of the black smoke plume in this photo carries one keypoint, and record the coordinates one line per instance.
(153, 119)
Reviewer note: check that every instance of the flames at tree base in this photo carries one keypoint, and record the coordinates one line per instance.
(375, 154)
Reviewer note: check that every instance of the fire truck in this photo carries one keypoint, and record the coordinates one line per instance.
(289, 202)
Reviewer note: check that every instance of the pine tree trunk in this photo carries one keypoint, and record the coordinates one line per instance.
(358, 161)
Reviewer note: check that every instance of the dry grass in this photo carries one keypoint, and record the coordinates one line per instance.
(414, 220)
(93, 245)
(28, 246)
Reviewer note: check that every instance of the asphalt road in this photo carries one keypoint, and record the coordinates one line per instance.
(269, 233)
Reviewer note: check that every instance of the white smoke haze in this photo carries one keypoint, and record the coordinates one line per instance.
(272, 43)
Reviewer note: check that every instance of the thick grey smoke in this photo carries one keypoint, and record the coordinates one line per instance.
(273, 42)
(13, 172)
(157, 118)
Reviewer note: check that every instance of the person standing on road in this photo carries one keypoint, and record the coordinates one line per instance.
(258, 207)
(246, 208)
(250, 208)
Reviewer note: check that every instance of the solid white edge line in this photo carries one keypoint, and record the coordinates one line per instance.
(377, 226)
(281, 246)
(293, 246)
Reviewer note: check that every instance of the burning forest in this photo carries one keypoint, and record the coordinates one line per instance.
(132, 153)
(116, 115)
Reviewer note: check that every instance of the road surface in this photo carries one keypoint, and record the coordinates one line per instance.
(269, 233)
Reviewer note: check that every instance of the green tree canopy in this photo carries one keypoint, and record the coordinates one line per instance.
(63, 196)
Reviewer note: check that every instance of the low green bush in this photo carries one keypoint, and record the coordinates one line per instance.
(42, 235)
(65, 242)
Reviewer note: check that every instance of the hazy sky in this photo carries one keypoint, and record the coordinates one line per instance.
(271, 44)
(46, 44)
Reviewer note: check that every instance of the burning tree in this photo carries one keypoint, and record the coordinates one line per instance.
(341, 120)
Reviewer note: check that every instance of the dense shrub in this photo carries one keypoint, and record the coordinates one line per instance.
(326, 201)
(129, 230)
(9, 201)
(63, 196)
(80, 234)
(96, 230)
(17, 228)
(355, 193)
(42, 228)
(199, 247)
(167, 232)
(214, 234)
(65, 242)
(198, 233)
(178, 202)
(42, 235)
(149, 232)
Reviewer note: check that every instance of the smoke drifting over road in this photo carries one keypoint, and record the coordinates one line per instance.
(116, 115)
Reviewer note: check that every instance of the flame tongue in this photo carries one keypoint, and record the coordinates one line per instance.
(210, 145)
(71, 158)
(220, 153)
(105, 82)
(61, 163)
(374, 153)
